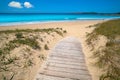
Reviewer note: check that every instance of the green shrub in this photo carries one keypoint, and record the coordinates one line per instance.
(27, 41)
(61, 29)
(46, 47)
(29, 62)
(64, 31)
(1, 52)
(59, 32)
(19, 35)
(42, 57)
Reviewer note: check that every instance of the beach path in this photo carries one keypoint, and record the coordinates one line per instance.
(65, 62)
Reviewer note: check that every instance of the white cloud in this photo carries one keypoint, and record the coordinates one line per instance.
(15, 4)
(28, 5)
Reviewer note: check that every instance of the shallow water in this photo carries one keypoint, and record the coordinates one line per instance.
(9, 19)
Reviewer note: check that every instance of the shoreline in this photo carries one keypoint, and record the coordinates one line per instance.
(45, 24)
(52, 21)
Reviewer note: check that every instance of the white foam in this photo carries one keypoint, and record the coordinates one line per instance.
(33, 22)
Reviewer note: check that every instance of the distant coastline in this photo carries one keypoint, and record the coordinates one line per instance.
(60, 13)
(73, 13)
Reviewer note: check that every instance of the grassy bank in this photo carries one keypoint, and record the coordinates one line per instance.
(108, 56)
(20, 50)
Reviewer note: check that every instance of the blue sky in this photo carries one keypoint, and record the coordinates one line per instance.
(59, 6)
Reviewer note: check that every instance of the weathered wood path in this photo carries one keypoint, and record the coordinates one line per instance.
(65, 62)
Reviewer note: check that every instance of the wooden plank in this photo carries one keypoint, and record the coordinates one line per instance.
(66, 75)
(68, 70)
(65, 62)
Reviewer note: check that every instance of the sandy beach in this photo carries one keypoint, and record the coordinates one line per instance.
(78, 29)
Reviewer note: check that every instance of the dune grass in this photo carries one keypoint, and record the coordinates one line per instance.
(31, 39)
(110, 29)
(26, 41)
(108, 58)
(48, 30)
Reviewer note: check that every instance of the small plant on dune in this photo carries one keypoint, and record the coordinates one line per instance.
(6, 78)
(27, 41)
(48, 33)
(4, 68)
(41, 39)
(57, 28)
(9, 61)
(42, 57)
(1, 52)
(19, 35)
(29, 62)
(64, 31)
(59, 32)
(46, 47)
(61, 29)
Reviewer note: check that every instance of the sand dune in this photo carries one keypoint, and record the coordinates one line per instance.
(78, 29)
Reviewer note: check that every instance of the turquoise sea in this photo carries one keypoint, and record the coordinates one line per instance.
(13, 19)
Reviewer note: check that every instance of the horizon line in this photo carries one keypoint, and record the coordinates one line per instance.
(58, 13)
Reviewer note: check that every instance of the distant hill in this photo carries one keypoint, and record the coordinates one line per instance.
(77, 13)
(96, 13)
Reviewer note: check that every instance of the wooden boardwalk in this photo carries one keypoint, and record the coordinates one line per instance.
(65, 62)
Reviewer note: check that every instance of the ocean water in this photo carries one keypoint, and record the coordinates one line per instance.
(11, 19)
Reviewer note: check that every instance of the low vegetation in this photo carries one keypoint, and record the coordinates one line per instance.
(19, 35)
(57, 30)
(27, 42)
(46, 47)
(108, 57)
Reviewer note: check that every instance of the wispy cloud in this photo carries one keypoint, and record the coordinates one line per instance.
(15, 4)
(28, 5)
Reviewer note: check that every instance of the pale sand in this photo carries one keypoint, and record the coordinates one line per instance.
(77, 29)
